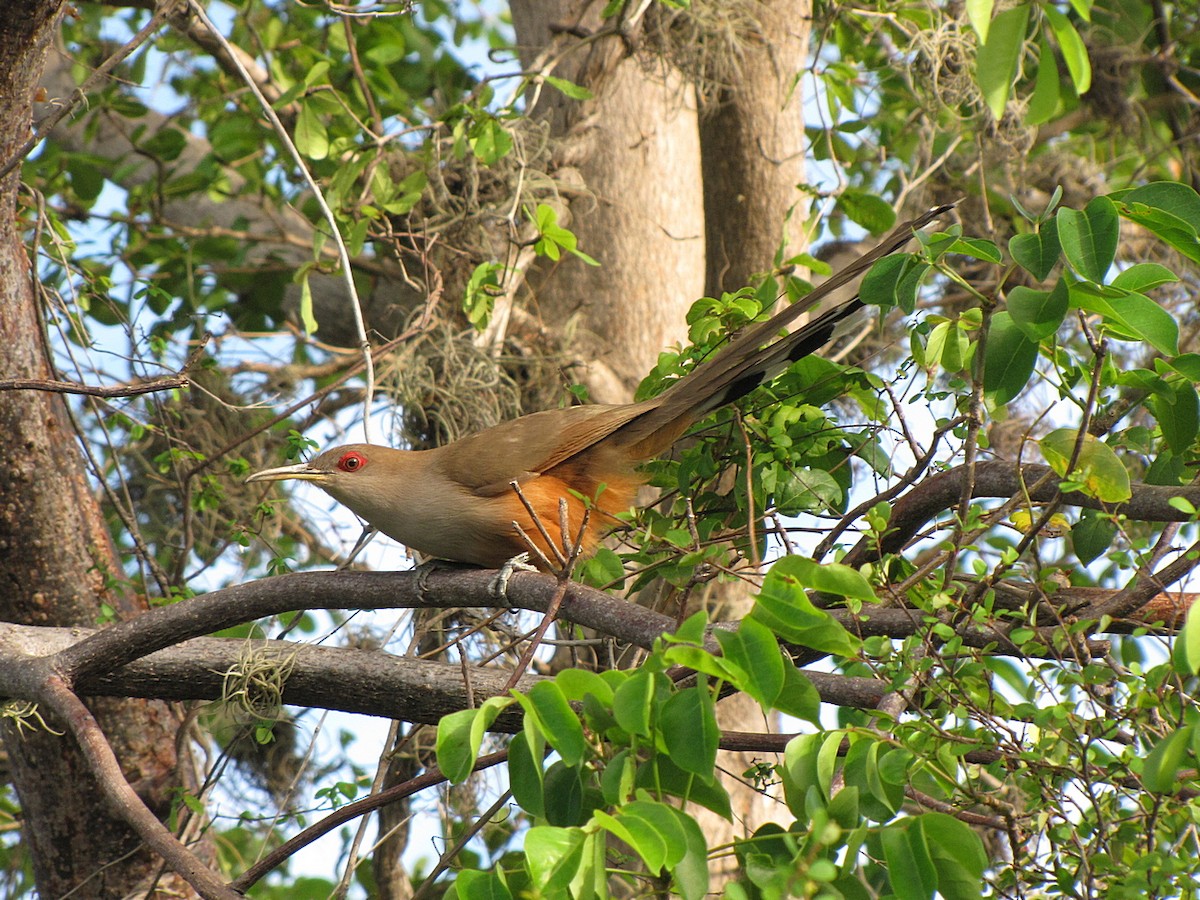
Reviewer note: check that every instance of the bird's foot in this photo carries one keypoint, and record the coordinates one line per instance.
(423, 571)
(498, 588)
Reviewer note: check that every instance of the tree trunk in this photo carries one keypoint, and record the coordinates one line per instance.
(57, 562)
(647, 232)
(752, 146)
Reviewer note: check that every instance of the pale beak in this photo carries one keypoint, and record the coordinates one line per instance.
(301, 472)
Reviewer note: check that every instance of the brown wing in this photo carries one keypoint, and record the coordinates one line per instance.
(489, 461)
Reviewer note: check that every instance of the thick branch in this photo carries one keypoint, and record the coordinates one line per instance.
(368, 682)
(132, 659)
(910, 513)
(120, 644)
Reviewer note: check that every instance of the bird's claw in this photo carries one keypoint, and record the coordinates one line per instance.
(423, 571)
(498, 587)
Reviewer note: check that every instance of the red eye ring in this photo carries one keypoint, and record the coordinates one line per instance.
(352, 461)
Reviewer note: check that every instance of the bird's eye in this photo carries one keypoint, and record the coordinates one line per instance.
(352, 462)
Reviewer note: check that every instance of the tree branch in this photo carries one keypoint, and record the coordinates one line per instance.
(910, 513)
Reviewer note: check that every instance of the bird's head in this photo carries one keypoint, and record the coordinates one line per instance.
(397, 492)
(345, 471)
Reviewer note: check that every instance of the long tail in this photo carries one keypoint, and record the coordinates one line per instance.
(744, 363)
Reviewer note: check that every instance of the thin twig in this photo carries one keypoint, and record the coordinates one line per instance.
(427, 886)
(285, 851)
(537, 523)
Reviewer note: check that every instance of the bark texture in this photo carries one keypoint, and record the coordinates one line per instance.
(57, 564)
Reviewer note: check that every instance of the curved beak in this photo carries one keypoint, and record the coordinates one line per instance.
(300, 472)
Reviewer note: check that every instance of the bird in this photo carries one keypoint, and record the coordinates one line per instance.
(469, 501)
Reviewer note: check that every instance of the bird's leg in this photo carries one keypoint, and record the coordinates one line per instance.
(498, 586)
(368, 533)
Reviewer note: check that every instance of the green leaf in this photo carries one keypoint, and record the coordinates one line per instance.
(690, 732)
(1089, 237)
(958, 855)
(1165, 761)
(805, 490)
(318, 74)
(474, 884)
(164, 145)
(1009, 359)
(460, 735)
(569, 88)
(935, 345)
(1177, 410)
(1092, 535)
(1185, 654)
(578, 683)
(633, 702)
(753, 649)
(642, 837)
(871, 212)
(702, 661)
(1037, 253)
(455, 755)
(784, 607)
(1131, 317)
(564, 795)
(800, 771)
(690, 873)
(525, 775)
(798, 697)
(1142, 277)
(979, 14)
(893, 281)
(1187, 365)
(660, 819)
(998, 56)
(86, 179)
(1174, 197)
(1171, 228)
(307, 319)
(660, 775)
(1039, 314)
(881, 799)
(1099, 470)
(554, 238)
(616, 782)
(1073, 49)
(310, 135)
(1044, 101)
(480, 295)
(553, 856)
(829, 578)
(558, 721)
(977, 248)
(1083, 9)
(909, 865)
(490, 141)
